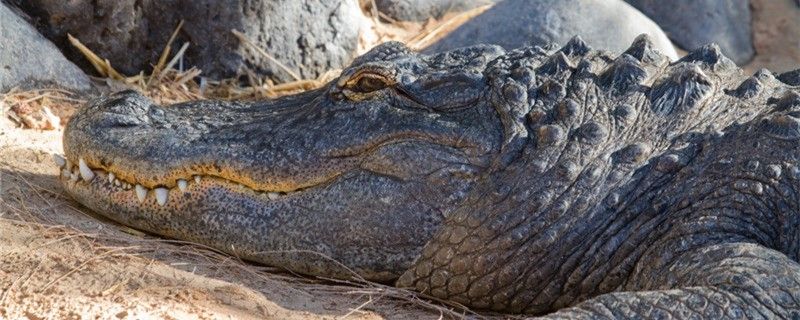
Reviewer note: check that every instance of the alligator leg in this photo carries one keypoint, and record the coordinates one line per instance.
(736, 281)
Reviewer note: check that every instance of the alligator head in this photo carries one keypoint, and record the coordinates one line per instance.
(360, 172)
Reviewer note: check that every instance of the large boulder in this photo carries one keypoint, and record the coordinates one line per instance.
(420, 10)
(694, 23)
(307, 36)
(28, 59)
(609, 24)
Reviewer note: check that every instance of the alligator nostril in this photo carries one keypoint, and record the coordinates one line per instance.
(125, 102)
(120, 110)
(115, 120)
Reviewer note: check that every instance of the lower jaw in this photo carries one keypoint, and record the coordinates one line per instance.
(217, 214)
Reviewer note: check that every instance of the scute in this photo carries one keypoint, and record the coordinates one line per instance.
(684, 90)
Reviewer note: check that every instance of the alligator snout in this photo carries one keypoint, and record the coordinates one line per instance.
(123, 109)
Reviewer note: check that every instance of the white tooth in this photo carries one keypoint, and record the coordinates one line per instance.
(111, 177)
(117, 183)
(182, 184)
(161, 195)
(197, 179)
(73, 177)
(141, 192)
(65, 173)
(86, 173)
(59, 160)
(272, 195)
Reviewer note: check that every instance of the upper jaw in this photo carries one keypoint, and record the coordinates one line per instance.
(142, 143)
(80, 175)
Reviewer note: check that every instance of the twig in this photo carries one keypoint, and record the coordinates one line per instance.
(102, 66)
(175, 59)
(165, 53)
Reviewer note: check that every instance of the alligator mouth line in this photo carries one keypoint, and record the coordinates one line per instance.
(75, 173)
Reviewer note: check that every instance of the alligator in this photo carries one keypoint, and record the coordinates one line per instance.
(561, 182)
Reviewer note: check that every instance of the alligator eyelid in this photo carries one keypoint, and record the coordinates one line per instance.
(402, 92)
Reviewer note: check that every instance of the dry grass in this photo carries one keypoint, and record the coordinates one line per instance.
(43, 109)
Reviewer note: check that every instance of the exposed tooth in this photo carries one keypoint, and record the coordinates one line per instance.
(182, 184)
(65, 173)
(117, 183)
(73, 177)
(59, 160)
(86, 173)
(141, 192)
(272, 195)
(197, 179)
(161, 196)
(111, 177)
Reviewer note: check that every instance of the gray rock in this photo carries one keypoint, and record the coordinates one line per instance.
(420, 10)
(307, 36)
(694, 23)
(27, 58)
(610, 24)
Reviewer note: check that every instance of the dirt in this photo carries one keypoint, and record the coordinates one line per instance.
(61, 261)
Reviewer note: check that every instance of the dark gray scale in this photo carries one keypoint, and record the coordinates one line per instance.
(782, 126)
(634, 153)
(555, 65)
(684, 90)
(643, 50)
(576, 47)
(711, 58)
(592, 133)
(624, 114)
(624, 75)
(791, 78)
(749, 88)
(790, 101)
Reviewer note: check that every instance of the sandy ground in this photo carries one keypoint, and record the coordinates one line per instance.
(60, 261)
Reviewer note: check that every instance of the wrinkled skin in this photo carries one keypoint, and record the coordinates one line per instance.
(562, 183)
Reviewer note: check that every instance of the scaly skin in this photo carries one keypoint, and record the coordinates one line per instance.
(563, 183)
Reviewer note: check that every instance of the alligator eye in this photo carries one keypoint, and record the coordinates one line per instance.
(368, 83)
